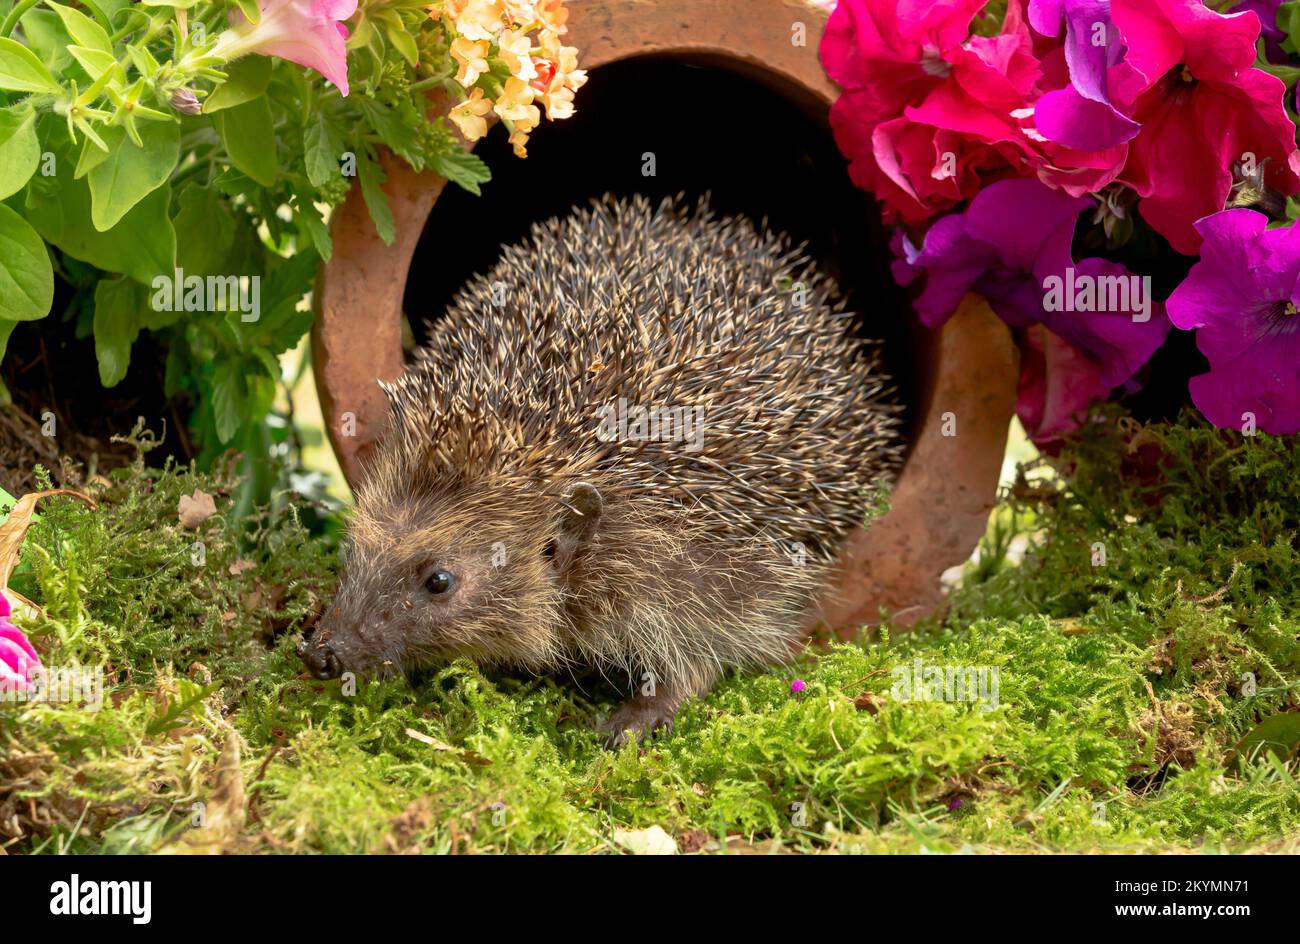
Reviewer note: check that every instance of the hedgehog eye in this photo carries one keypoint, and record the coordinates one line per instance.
(439, 582)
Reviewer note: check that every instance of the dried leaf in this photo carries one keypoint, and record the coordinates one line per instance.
(431, 741)
(870, 702)
(15, 527)
(239, 566)
(195, 509)
(225, 811)
(652, 841)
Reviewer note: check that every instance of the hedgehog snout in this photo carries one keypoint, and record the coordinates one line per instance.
(320, 659)
(331, 648)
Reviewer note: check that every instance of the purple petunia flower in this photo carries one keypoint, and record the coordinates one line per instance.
(1081, 114)
(1270, 32)
(1013, 235)
(1241, 298)
(1012, 247)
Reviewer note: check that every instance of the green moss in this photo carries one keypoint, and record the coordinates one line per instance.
(1122, 686)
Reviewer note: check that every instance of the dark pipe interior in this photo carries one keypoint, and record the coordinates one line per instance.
(711, 131)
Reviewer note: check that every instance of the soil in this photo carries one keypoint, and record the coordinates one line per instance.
(51, 373)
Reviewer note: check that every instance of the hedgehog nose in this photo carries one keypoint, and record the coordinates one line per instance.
(321, 660)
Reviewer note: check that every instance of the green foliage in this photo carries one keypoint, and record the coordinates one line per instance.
(144, 140)
(1122, 718)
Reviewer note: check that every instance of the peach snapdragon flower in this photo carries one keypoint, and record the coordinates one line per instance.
(471, 55)
(468, 115)
(500, 33)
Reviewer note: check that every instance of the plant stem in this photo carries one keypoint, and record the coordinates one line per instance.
(15, 15)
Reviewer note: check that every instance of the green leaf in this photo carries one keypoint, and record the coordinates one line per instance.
(142, 245)
(98, 63)
(248, 133)
(20, 151)
(92, 155)
(401, 135)
(26, 277)
(21, 71)
(371, 177)
(229, 396)
(6, 329)
(131, 172)
(322, 148)
(119, 304)
(246, 79)
(203, 215)
(251, 10)
(172, 714)
(282, 325)
(85, 31)
(1288, 19)
(464, 169)
(403, 42)
(1279, 734)
(44, 35)
(315, 228)
(143, 60)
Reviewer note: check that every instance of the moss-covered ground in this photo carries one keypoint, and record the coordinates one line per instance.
(1146, 647)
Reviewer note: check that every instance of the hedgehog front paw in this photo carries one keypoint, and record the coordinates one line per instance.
(637, 719)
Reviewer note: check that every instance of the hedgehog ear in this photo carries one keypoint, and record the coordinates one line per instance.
(579, 515)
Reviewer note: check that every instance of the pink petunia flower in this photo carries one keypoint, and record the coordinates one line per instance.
(17, 657)
(1188, 78)
(1058, 383)
(308, 32)
(1242, 298)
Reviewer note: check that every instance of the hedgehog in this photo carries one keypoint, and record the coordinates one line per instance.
(632, 446)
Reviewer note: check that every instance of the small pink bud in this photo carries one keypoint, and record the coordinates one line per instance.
(797, 686)
(185, 102)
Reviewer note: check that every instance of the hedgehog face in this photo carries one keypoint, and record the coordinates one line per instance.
(431, 580)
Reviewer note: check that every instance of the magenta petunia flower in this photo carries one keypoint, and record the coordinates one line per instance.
(930, 113)
(1081, 114)
(17, 657)
(308, 32)
(1241, 298)
(797, 687)
(1188, 78)
(888, 55)
(984, 109)
(1012, 246)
